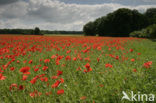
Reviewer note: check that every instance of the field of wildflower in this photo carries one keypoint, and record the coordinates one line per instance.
(66, 69)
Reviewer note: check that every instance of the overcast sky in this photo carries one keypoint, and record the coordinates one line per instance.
(61, 14)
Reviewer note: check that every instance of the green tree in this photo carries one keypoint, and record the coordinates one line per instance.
(151, 15)
(89, 29)
(118, 23)
(37, 31)
(102, 27)
(139, 20)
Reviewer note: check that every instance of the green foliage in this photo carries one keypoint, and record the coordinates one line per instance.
(148, 32)
(101, 85)
(60, 32)
(121, 22)
(37, 31)
(151, 15)
(90, 29)
(140, 34)
(31, 31)
(16, 31)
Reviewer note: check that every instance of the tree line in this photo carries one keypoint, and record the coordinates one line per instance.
(120, 23)
(36, 31)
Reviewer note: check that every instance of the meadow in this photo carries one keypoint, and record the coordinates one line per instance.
(75, 69)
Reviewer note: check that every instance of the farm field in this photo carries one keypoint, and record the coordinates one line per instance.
(64, 35)
(68, 69)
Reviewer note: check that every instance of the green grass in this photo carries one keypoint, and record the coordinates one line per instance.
(101, 85)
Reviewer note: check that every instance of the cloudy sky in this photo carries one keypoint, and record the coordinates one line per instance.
(61, 14)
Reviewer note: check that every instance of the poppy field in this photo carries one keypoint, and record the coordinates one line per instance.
(68, 69)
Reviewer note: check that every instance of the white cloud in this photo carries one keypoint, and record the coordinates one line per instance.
(153, 1)
(55, 15)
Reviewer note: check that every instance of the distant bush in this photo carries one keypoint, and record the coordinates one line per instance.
(151, 30)
(148, 32)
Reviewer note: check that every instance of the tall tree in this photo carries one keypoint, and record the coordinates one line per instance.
(37, 31)
(151, 15)
(89, 29)
(118, 23)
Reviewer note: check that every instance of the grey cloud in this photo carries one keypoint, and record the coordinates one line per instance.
(4, 2)
(55, 15)
(55, 12)
(15, 10)
(123, 2)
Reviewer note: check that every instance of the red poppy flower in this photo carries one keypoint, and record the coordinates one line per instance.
(87, 59)
(78, 69)
(1, 57)
(53, 56)
(30, 62)
(101, 85)
(134, 70)
(24, 77)
(132, 60)
(24, 61)
(59, 72)
(117, 57)
(83, 98)
(39, 65)
(55, 84)
(68, 58)
(131, 50)
(42, 75)
(12, 68)
(61, 91)
(147, 64)
(87, 65)
(1, 70)
(68, 51)
(44, 79)
(62, 80)
(18, 61)
(74, 59)
(57, 62)
(35, 94)
(139, 53)
(54, 77)
(32, 94)
(48, 93)
(88, 70)
(12, 86)
(2, 77)
(25, 70)
(46, 60)
(33, 81)
(5, 66)
(36, 69)
(99, 48)
(63, 65)
(108, 65)
(21, 87)
(40, 60)
(45, 68)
